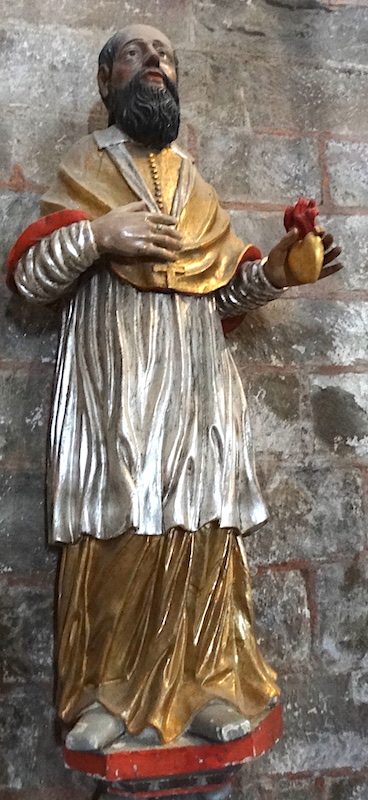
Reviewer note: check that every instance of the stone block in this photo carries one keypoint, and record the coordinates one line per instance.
(311, 95)
(358, 686)
(208, 92)
(261, 168)
(40, 141)
(263, 228)
(286, 63)
(30, 752)
(318, 703)
(340, 415)
(22, 525)
(247, 787)
(289, 789)
(103, 15)
(320, 737)
(323, 730)
(314, 513)
(27, 331)
(282, 618)
(6, 142)
(52, 792)
(26, 633)
(354, 788)
(350, 233)
(17, 210)
(25, 407)
(342, 601)
(49, 67)
(347, 168)
(274, 405)
(290, 332)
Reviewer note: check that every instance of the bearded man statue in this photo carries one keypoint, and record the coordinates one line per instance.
(151, 481)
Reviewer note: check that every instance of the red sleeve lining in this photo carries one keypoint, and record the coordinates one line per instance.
(37, 231)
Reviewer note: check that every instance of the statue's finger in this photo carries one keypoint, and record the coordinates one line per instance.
(287, 241)
(327, 240)
(167, 242)
(165, 230)
(162, 219)
(330, 270)
(331, 255)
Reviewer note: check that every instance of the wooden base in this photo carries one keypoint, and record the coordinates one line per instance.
(187, 765)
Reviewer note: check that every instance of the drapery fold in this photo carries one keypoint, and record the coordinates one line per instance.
(156, 627)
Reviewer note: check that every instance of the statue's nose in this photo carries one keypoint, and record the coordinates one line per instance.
(151, 58)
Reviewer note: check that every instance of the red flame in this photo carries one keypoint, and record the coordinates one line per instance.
(301, 216)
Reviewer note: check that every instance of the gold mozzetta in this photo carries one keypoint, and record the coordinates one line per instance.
(181, 629)
(89, 180)
(305, 259)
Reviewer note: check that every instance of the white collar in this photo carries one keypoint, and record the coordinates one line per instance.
(110, 136)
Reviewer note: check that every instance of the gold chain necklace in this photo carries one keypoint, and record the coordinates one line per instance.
(156, 182)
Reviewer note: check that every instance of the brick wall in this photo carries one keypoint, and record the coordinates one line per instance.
(275, 98)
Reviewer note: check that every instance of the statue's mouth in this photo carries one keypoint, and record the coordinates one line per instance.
(154, 75)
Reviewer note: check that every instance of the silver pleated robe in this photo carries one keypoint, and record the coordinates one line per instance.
(149, 427)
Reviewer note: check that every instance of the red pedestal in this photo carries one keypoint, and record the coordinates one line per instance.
(186, 765)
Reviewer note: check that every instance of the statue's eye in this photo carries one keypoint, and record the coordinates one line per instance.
(131, 53)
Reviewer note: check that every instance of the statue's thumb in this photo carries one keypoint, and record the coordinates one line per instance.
(287, 242)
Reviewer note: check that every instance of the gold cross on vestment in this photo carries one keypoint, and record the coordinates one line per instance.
(170, 270)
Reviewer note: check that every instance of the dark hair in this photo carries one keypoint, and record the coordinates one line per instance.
(109, 50)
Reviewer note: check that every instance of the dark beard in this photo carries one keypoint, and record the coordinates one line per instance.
(148, 114)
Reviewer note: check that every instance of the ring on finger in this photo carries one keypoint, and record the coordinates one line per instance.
(159, 227)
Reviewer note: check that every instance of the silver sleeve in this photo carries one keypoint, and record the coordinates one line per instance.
(51, 266)
(248, 289)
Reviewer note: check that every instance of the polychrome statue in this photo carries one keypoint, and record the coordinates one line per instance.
(151, 481)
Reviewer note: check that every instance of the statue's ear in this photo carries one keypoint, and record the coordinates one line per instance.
(103, 80)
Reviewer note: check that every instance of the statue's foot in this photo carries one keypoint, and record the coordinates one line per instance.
(220, 722)
(95, 729)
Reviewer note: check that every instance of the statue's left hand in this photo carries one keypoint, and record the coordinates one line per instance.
(274, 267)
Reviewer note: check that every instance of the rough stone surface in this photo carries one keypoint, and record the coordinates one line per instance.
(26, 633)
(302, 332)
(261, 168)
(343, 614)
(340, 415)
(275, 408)
(350, 233)
(23, 424)
(262, 228)
(27, 332)
(23, 525)
(17, 210)
(314, 514)
(347, 789)
(30, 753)
(282, 615)
(274, 104)
(347, 171)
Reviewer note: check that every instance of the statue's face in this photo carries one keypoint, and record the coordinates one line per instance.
(143, 48)
(140, 90)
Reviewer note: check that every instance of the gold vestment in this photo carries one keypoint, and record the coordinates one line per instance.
(89, 179)
(154, 627)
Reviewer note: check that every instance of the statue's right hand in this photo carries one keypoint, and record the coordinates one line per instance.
(132, 231)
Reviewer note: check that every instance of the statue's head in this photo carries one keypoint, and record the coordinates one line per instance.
(137, 79)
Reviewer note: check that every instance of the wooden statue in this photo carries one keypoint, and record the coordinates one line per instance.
(151, 481)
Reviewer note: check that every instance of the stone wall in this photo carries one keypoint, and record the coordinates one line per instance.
(275, 98)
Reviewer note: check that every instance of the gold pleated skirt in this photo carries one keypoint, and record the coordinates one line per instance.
(154, 627)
